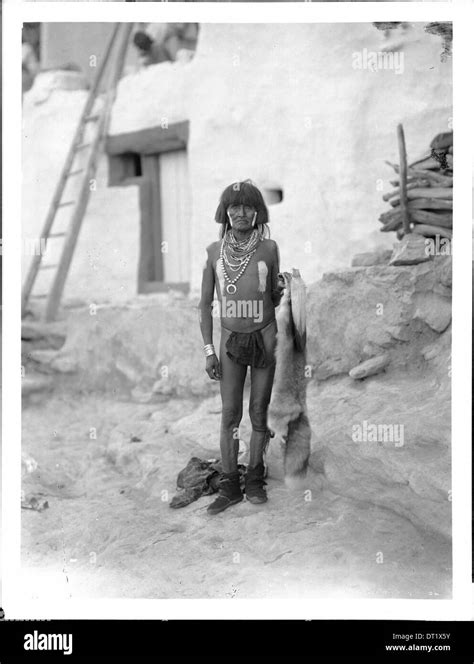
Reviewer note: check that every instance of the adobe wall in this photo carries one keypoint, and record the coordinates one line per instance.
(281, 104)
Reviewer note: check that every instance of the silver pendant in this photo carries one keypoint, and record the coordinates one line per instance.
(228, 289)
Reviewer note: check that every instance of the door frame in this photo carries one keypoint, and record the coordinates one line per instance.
(149, 144)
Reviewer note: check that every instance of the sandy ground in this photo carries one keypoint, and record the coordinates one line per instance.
(108, 532)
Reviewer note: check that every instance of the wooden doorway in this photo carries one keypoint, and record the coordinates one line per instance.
(165, 211)
(156, 159)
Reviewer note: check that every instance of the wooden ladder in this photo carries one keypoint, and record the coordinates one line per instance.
(86, 150)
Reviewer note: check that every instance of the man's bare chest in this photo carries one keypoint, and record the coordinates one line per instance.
(252, 279)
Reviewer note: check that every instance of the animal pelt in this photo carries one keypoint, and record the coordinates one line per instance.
(287, 415)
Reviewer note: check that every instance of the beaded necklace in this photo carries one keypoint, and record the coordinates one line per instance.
(235, 255)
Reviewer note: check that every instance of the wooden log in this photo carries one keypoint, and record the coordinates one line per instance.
(432, 231)
(389, 215)
(394, 222)
(396, 192)
(431, 192)
(403, 179)
(431, 218)
(431, 204)
(425, 203)
(394, 166)
(419, 217)
(392, 226)
(415, 181)
(426, 163)
(432, 176)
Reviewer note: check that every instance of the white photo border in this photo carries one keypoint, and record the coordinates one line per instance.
(460, 606)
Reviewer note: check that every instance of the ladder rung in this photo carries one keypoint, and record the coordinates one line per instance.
(39, 295)
(91, 118)
(46, 267)
(66, 203)
(56, 235)
(79, 170)
(82, 146)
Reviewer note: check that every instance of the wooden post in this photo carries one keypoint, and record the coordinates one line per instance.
(403, 179)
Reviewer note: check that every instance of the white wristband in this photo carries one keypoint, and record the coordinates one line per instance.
(209, 350)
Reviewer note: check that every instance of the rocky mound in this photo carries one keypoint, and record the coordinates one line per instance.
(383, 435)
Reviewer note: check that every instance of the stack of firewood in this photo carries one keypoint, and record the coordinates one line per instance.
(429, 193)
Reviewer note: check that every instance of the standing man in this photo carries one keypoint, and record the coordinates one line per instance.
(243, 268)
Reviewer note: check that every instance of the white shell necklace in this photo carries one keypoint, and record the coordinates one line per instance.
(236, 263)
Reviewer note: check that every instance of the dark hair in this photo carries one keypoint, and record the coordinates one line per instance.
(242, 193)
(142, 41)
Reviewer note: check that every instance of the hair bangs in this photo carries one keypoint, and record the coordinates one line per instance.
(242, 193)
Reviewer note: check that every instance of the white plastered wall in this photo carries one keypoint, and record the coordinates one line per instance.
(281, 104)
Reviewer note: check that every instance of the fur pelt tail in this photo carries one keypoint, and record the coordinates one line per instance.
(287, 414)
